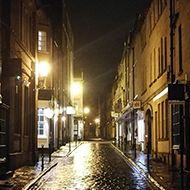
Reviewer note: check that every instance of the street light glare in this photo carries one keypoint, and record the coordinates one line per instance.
(43, 69)
(97, 120)
(86, 110)
(75, 88)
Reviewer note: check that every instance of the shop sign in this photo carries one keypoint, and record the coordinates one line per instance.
(136, 104)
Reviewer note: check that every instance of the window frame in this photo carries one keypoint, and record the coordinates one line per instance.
(42, 41)
(41, 122)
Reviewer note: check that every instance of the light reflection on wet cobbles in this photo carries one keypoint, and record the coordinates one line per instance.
(92, 166)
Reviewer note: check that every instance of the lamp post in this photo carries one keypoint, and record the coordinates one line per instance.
(70, 111)
(86, 111)
(97, 121)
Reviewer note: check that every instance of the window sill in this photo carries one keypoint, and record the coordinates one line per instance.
(42, 137)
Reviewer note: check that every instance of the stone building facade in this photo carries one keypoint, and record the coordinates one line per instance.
(32, 33)
(157, 61)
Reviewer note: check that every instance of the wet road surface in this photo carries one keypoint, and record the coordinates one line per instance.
(93, 166)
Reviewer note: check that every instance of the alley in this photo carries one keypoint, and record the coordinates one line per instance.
(94, 165)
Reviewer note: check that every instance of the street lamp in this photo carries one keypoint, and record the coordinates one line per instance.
(75, 88)
(86, 111)
(97, 121)
(43, 71)
(70, 111)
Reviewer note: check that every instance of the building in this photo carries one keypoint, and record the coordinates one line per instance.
(55, 94)
(77, 91)
(156, 112)
(33, 101)
(18, 85)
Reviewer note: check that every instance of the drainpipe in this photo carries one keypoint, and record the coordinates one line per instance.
(133, 79)
(171, 71)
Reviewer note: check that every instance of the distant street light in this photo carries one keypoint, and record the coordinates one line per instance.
(70, 111)
(97, 120)
(75, 88)
(86, 110)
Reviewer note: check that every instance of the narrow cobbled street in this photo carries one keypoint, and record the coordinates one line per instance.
(94, 165)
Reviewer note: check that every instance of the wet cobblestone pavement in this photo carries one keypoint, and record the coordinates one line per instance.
(159, 172)
(93, 166)
(25, 175)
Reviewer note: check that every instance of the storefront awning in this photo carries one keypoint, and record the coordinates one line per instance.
(123, 117)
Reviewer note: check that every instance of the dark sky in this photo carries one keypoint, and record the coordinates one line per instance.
(99, 29)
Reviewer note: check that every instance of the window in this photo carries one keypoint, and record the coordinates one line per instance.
(155, 66)
(165, 53)
(180, 49)
(166, 119)
(145, 78)
(41, 121)
(163, 120)
(150, 68)
(26, 111)
(159, 62)
(156, 125)
(20, 20)
(162, 55)
(42, 41)
(143, 37)
(159, 121)
(177, 123)
(17, 118)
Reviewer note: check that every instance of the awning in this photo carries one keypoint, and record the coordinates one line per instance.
(123, 117)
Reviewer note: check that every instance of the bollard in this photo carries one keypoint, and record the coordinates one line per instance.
(42, 157)
(148, 152)
(69, 144)
(49, 152)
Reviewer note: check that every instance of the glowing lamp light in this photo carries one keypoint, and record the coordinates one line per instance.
(80, 124)
(43, 69)
(70, 110)
(48, 113)
(75, 88)
(86, 110)
(56, 111)
(97, 120)
(55, 118)
(63, 118)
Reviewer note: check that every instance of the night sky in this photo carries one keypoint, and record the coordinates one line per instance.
(99, 28)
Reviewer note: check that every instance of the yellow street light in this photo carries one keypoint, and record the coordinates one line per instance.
(63, 118)
(86, 110)
(43, 69)
(75, 88)
(97, 120)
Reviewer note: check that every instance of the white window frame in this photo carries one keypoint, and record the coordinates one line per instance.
(42, 40)
(41, 122)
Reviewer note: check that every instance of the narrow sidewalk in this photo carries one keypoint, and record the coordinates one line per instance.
(24, 177)
(160, 173)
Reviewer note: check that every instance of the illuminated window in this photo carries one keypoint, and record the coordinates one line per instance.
(41, 121)
(42, 41)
